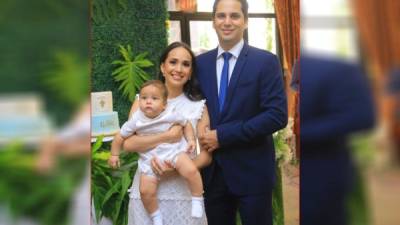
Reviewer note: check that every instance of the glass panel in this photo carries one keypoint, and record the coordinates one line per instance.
(172, 5)
(325, 8)
(202, 36)
(261, 6)
(205, 5)
(262, 33)
(255, 6)
(338, 42)
(174, 31)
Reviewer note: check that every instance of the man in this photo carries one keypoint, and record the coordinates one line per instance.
(247, 104)
(335, 102)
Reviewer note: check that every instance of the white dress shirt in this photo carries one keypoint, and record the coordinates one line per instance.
(235, 51)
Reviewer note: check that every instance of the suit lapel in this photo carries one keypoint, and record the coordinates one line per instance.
(235, 76)
(212, 71)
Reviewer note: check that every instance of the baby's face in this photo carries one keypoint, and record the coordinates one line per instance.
(151, 101)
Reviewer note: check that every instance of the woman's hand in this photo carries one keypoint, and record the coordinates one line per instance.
(114, 162)
(191, 146)
(162, 169)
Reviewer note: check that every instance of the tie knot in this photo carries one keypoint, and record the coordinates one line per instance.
(226, 55)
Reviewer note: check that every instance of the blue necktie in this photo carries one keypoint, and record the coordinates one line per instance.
(223, 84)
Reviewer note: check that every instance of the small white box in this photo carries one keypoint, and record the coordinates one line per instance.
(101, 102)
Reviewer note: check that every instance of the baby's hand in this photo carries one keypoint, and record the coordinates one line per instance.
(114, 162)
(191, 146)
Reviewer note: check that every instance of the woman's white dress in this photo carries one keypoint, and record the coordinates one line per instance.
(173, 193)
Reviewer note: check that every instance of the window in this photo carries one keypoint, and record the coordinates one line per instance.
(191, 22)
(327, 28)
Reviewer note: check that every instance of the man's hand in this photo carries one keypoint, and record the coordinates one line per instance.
(209, 140)
(113, 161)
(174, 134)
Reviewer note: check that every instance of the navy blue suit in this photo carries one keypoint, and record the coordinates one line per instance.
(242, 172)
(335, 101)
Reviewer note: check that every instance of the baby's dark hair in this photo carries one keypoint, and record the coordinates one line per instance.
(159, 85)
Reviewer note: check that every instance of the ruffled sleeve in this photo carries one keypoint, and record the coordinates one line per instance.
(194, 110)
(191, 110)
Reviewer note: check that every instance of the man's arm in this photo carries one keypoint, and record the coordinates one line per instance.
(272, 116)
(348, 106)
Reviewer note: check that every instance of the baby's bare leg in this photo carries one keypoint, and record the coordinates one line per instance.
(148, 193)
(187, 169)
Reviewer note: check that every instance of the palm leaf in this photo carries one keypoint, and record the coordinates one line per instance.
(68, 77)
(110, 187)
(114, 189)
(97, 145)
(129, 71)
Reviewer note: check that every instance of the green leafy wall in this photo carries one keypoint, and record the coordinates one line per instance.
(138, 23)
(32, 34)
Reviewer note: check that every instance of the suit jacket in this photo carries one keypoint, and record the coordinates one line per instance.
(335, 101)
(255, 107)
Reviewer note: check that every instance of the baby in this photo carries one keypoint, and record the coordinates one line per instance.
(155, 116)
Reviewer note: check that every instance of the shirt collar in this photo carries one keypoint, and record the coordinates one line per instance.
(235, 51)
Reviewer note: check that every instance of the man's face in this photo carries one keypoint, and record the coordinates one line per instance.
(229, 23)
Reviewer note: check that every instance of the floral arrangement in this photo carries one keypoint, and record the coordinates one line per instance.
(285, 144)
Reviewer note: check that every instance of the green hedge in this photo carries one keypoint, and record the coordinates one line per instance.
(138, 23)
(31, 33)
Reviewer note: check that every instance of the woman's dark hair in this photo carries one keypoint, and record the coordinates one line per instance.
(191, 88)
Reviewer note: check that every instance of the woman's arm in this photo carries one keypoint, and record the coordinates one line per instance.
(204, 158)
(137, 143)
(189, 135)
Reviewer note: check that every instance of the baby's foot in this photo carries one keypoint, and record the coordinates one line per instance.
(156, 217)
(197, 207)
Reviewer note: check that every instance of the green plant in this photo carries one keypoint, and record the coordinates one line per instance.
(107, 9)
(284, 143)
(68, 79)
(130, 71)
(109, 186)
(44, 198)
(277, 199)
(357, 201)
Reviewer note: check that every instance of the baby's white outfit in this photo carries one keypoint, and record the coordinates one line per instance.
(143, 125)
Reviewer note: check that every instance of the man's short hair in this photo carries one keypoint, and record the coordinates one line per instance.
(244, 7)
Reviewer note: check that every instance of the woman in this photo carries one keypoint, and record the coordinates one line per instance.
(177, 65)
